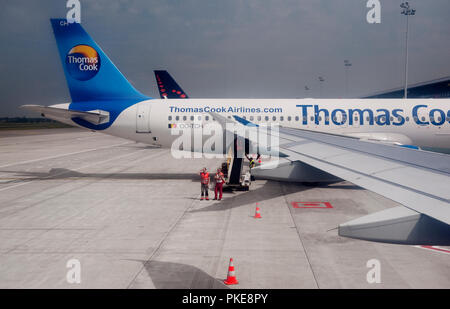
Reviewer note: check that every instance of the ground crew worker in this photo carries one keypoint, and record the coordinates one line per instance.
(219, 178)
(204, 183)
(251, 162)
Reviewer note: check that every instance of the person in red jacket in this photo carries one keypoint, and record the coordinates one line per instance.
(204, 183)
(219, 178)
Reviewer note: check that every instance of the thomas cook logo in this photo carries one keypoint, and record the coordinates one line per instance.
(83, 62)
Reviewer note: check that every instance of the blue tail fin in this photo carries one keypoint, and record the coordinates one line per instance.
(168, 87)
(90, 74)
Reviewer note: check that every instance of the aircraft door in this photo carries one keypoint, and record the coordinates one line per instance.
(143, 118)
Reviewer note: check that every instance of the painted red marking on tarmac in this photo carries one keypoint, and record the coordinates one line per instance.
(311, 205)
(436, 249)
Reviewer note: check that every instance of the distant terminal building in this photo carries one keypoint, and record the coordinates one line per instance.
(439, 88)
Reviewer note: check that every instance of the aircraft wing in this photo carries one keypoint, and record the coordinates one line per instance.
(419, 180)
(95, 117)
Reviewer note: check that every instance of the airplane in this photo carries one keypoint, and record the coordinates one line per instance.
(167, 86)
(357, 140)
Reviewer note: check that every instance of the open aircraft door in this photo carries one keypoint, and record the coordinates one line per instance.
(143, 118)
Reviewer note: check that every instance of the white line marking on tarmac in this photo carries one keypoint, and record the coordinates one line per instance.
(63, 155)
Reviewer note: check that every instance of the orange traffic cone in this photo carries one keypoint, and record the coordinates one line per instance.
(257, 213)
(231, 277)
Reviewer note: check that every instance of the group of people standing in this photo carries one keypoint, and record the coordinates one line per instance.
(219, 181)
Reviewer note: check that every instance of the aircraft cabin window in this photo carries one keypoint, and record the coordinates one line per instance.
(245, 118)
(407, 119)
(192, 118)
(274, 118)
(423, 118)
(296, 118)
(267, 118)
(356, 118)
(312, 118)
(259, 118)
(177, 117)
(200, 118)
(289, 118)
(206, 118)
(304, 118)
(439, 119)
(320, 118)
(251, 118)
(281, 118)
(184, 117)
(170, 117)
(367, 118)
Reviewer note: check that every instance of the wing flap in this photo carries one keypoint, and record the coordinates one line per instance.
(365, 165)
(418, 198)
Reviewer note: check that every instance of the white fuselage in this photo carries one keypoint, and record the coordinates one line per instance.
(419, 122)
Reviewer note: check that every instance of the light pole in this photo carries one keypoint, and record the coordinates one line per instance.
(321, 80)
(347, 65)
(407, 11)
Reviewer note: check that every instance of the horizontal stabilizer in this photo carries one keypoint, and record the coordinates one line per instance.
(94, 116)
(398, 225)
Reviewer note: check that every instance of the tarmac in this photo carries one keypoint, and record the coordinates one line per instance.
(130, 215)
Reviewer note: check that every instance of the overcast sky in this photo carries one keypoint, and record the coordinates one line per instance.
(227, 48)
